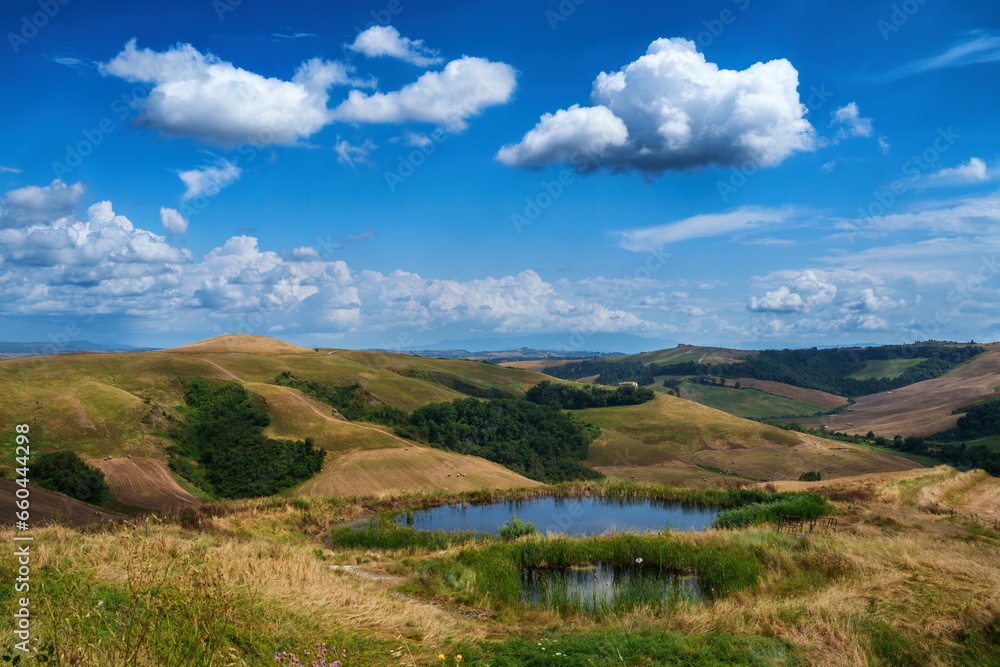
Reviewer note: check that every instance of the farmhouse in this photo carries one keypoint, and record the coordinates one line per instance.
(634, 385)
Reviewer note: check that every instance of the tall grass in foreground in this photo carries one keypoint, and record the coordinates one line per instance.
(771, 510)
(720, 569)
(601, 591)
(385, 533)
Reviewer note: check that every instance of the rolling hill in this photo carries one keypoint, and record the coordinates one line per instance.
(118, 405)
(672, 438)
(923, 408)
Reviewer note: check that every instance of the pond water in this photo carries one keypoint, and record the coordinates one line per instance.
(572, 516)
(596, 589)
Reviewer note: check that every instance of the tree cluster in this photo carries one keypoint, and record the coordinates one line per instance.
(223, 435)
(538, 441)
(608, 372)
(568, 397)
(67, 473)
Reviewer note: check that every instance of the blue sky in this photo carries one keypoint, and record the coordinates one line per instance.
(393, 173)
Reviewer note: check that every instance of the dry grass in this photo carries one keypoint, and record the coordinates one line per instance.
(922, 408)
(889, 564)
(413, 469)
(243, 343)
(831, 459)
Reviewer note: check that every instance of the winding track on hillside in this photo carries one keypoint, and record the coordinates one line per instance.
(231, 376)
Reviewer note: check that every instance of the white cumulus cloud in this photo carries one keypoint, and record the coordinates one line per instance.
(851, 123)
(173, 221)
(807, 292)
(973, 171)
(447, 98)
(204, 97)
(33, 203)
(386, 41)
(679, 111)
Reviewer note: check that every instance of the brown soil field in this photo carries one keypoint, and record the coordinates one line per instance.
(538, 365)
(828, 457)
(922, 408)
(143, 482)
(821, 398)
(400, 470)
(244, 343)
(47, 507)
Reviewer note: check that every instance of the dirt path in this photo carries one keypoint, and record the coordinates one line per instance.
(228, 374)
(302, 399)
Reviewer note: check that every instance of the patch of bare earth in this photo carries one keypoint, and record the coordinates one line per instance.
(143, 482)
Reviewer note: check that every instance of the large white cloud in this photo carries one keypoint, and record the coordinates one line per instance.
(33, 203)
(386, 41)
(202, 96)
(447, 98)
(807, 292)
(680, 112)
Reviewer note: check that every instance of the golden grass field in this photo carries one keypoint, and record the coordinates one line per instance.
(896, 582)
(411, 469)
(116, 405)
(922, 408)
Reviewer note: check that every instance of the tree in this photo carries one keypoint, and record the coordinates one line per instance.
(737, 385)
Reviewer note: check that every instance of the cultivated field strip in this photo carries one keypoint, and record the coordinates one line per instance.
(47, 507)
(922, 408)
(143, 482)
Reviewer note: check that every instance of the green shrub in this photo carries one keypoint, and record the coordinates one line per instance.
(515, 528)
(811, 476)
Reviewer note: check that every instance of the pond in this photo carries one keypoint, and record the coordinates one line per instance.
(571, 516)
(599, 589)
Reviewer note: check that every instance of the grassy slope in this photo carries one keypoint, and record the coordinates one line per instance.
(116, 404)
(884, 368)
(892, 584)
(750, 403)
(670, 429)
(922, 408)
(113, 405)
(822, 398)
(677, 355)
(412, 469)
(671, 437)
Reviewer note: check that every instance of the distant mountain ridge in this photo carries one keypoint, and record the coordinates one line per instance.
(567, 342)
(12, 349)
